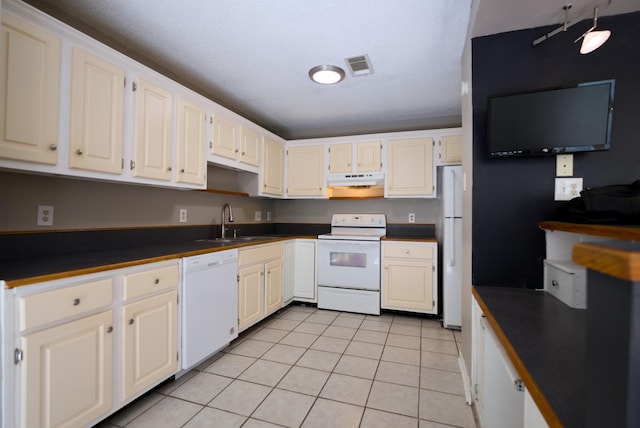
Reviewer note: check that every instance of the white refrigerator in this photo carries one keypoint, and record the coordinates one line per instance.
(452, 246)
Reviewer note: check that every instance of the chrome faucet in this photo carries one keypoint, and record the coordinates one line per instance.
(225, 206)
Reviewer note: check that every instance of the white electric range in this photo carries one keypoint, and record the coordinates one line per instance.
(348, 261)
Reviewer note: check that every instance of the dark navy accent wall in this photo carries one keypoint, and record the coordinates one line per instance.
(511, 196)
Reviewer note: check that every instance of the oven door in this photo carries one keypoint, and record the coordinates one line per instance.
(349, 264)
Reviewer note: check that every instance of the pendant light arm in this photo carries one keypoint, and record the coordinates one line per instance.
(568, 24)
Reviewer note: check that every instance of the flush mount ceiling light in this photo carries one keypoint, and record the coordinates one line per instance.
(326, 74)
(591, 40)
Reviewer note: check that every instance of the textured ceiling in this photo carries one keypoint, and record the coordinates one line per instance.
(253, 56)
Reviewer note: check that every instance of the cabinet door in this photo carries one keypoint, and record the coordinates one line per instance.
(250, 295)
(410, 167)
(304, 271)
(272, 168)
(153, 131)
(150, 342)
(224, 136)
(451, 149)
(340, 158)
(191, 140)
(305, 170)
(30, 89)
(273, 285)
(369, 156)
(97, 104)
(408, 284)
(289, 272)
(67, 373)
(249, 147)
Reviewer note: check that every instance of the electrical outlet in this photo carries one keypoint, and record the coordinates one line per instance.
(45, 215)
(183, 215)
(268, 215)
(564, 165)
(412, 217)
(567, 188)
(258, 216)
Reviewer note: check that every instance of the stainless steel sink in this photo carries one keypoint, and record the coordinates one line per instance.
(237, 240)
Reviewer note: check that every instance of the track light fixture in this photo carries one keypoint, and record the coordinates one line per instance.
(591, 40)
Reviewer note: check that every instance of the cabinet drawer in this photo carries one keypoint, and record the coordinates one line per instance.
(141, 283)
(260, 254)
(408, 251)
(566, 282)
(50, 306)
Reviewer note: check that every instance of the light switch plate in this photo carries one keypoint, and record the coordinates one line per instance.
(564, 165)
(258, 215)
(567, 188)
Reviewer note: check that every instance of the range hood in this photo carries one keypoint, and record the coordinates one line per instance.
(356, 179)
(355, 185)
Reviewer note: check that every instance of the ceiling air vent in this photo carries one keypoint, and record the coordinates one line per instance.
(359, 65)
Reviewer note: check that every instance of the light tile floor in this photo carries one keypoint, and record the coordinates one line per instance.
(317, 368)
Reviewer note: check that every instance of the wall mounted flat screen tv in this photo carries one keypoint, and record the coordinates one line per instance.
(549, 122)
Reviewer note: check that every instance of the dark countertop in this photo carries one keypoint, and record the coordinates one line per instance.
(546, 342)
(31, 270)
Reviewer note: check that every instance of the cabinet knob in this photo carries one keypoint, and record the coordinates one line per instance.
(110, 329)
(169, 169)
(554, 283)
(261, 273)
(407, 252)
(53, 147)
(131, 321)
(79, 152)
(264, 185)
(242, 153)
(182, 170)
(157, 281)
(235, 151)
(76, 302)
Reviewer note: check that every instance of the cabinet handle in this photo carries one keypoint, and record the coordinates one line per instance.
(132, 165)
(157, 281)
(554, 283)
(110, 329)
(53, 147)
(76, 302)
(79, 152)
(131, 321)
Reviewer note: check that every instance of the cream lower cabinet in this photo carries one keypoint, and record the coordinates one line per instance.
(260, 283)
(300, 271)
(86, 346)
(409, 276)
(67, 373)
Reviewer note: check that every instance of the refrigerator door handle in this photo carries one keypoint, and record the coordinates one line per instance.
(452, 254)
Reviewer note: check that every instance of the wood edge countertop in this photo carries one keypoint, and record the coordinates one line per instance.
(624, 232)
(12, 283)
(538, 397)
(620, 260)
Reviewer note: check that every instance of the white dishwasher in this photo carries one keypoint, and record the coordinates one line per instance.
(209, 304)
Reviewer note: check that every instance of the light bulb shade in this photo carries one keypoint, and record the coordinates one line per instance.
(326, 74)
(593, 40)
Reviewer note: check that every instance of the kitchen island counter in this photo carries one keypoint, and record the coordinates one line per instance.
(546, 343)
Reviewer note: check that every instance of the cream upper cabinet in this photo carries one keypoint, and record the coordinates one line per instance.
(150, 341)
(236, 143)
(67, 373)
(153, 141)
(225, 134)
(190, 160)
(340, 158)
(273, 168)
(249, 147)
(368, 155)
(30, 76)
(305, 170)
(409, 277)
(450, 149)
(410, 170)
(97, 111)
